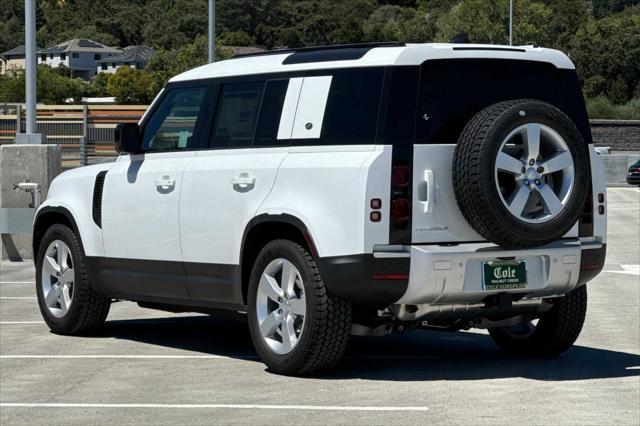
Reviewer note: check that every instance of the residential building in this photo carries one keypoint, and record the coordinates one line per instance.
(12, 60)
(132, 56)
(79, 55)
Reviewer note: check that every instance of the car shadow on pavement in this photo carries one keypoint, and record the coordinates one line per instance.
(417, 355)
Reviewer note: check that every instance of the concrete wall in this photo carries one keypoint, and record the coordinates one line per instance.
(619, 135)
(19, 163)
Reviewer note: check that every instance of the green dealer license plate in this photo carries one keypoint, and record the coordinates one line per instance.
(504, 274)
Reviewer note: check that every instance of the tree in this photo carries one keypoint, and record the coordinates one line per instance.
(51, 87)
(130, 86)
(487, 21)
(167, 63)
(607, 56)
(99, 84)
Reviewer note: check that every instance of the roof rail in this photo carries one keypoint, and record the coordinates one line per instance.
(321, 48)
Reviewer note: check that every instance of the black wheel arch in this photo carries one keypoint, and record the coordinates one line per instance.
(267, 227)
(51, 215)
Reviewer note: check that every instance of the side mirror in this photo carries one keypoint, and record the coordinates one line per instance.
(128, 138)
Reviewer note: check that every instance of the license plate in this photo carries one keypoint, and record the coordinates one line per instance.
(504, 274)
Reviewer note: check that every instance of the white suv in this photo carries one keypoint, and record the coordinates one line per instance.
(324, 192)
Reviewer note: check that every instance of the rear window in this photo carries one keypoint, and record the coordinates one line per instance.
(454, 90)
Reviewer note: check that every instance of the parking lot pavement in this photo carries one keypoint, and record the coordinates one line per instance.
(151, 367)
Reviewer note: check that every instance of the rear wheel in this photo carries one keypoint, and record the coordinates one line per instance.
(554, 332)
(67, 302)
(296, 325)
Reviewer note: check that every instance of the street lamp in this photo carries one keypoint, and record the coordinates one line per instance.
(30, 137)
(212, 31)
(510, 22)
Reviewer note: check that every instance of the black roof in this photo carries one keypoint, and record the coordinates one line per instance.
(16, 51)
(130, 54)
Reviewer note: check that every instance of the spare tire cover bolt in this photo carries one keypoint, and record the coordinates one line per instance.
(537, 181)
(526, 182)
(540, 169)
(531, 162)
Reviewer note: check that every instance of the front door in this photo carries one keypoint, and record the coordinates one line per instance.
(140, 201)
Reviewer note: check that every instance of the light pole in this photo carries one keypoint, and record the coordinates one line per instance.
(212, 31)
(30, 137)
(510, 22)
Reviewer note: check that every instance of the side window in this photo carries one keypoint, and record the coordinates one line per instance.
(351, 113)
(236, 114)
(173, 123)
(270, 113)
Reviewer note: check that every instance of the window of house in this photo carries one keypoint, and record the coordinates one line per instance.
(51, 56)
(63, 56)
(103, 66)
(97, 57)
(113, 65)
(75, 55)
(236, 114)
(270, 111)
(174, 122)
(43, 58)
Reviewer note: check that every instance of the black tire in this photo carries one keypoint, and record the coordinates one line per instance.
(88, 309)
(474, 181)
(556, 331)
(327, 323)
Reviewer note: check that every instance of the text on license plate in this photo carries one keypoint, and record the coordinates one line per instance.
(504, 274)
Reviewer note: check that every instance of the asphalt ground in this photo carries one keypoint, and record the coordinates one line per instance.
(156, 368)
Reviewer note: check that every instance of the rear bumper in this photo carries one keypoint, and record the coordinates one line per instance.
(446, 275)
(453, 274)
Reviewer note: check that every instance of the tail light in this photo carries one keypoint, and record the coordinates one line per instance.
(400, 197)
(400, 210)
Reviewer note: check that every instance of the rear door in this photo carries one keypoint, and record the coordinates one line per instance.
(224, 185)
(140, 200)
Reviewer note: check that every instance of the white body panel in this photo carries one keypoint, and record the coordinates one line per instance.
(311, 105)
(444, 221)
(73, 191)
(214, 211)
(599, 187)
(140, 214)
(325, 187)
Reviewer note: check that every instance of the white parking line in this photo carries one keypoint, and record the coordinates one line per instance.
(214, 406)
(247, 357)
(17, 297)
(17, 282)
(20, 322)
(127, 357)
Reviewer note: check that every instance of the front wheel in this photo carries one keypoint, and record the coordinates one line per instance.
(67, 302)
(296, 325)
(554, 332)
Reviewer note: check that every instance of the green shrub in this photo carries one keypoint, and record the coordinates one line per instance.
(601, 108)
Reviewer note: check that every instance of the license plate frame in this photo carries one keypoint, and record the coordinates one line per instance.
(504, 274)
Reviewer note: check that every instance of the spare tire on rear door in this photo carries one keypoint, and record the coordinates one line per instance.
(521, 173)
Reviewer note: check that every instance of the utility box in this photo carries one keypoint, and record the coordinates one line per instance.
(23, 163)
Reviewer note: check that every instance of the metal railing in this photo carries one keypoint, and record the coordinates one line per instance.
(84, 132)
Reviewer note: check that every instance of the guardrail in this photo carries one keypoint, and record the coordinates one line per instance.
(84, 132)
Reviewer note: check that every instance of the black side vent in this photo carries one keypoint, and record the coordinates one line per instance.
(97, 198)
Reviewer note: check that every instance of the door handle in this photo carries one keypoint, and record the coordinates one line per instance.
(165, 182)
(243, 180)
(426, 191)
